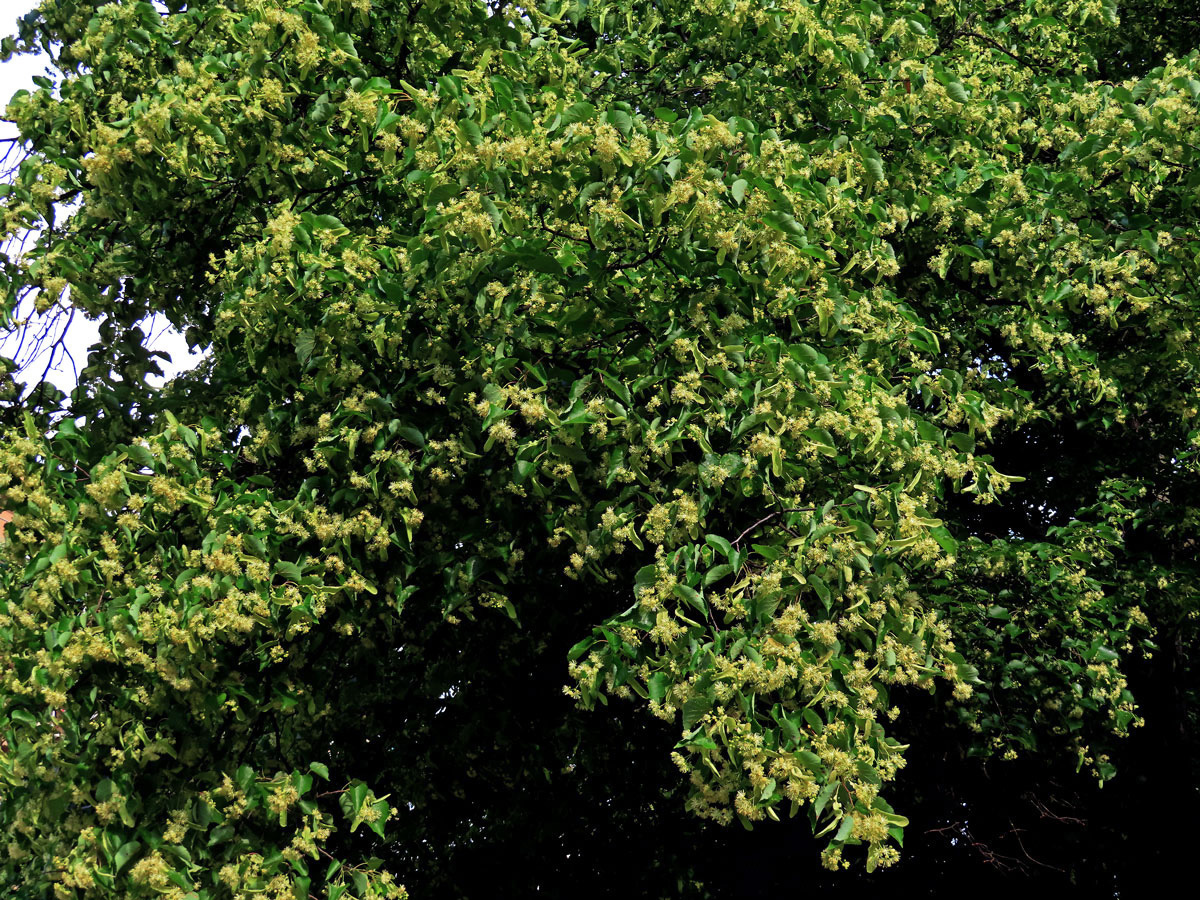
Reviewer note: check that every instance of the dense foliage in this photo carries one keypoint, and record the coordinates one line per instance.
(790, 378)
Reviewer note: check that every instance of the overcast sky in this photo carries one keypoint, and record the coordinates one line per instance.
(17, 74)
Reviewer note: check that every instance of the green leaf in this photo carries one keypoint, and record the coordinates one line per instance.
(523, 468)
(579, 112)
(783, 222)
(122, 857)
(345, 43)
(823, 797)
(968, 673)
(874, 167)
(716, 573)
(790, 729)
(502, 90)
(622, 120)
(822, 589)
(719, 543)
(811, 761)
(381, 813)
(945, 539)
(322, 25)
(538, 261)
(442, 192)
(580, 648)
(694, 710)
(657, 686)
(691, 597)
(619, 389)
(845, 828)
(411, 434)
(289, 570)
(306, 343)
(470, 132)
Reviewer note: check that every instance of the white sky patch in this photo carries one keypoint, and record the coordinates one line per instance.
(57, 342)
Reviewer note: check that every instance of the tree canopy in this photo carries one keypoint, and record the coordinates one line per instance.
(615, 416)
